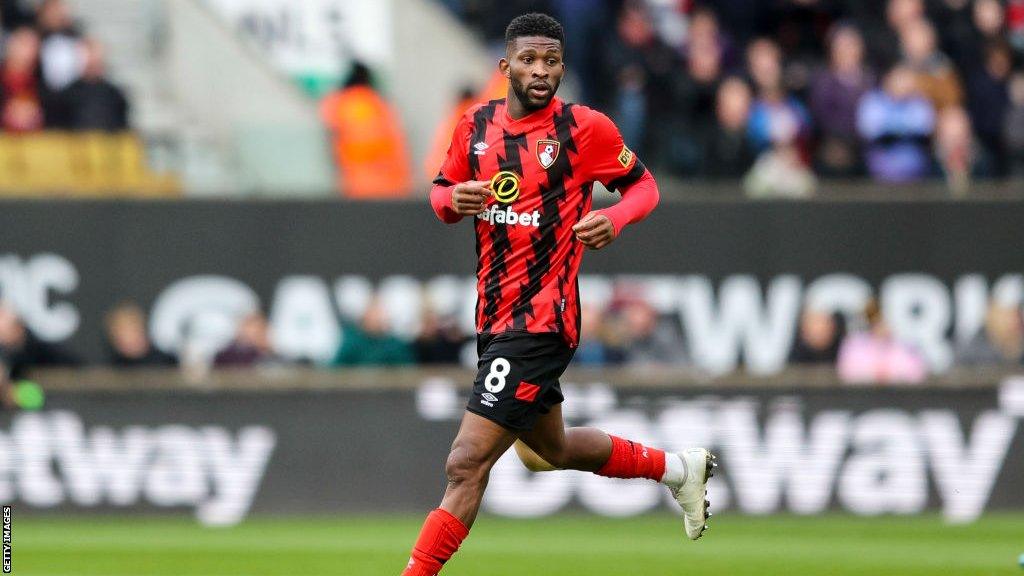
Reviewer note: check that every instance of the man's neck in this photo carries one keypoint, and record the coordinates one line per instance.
(515, 107)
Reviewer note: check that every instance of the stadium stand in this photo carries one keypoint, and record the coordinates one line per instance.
(808, 96)
(66, 126)
(664, 60)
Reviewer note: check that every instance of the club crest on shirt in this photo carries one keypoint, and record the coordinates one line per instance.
(547, 152)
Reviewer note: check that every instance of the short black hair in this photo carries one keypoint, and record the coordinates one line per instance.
(534, 24)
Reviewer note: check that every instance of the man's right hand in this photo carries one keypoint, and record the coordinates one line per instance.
(470, 198)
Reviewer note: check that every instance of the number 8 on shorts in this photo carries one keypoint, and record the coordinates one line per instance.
(495, 381)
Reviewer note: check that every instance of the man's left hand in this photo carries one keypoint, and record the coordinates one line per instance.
(595, 231)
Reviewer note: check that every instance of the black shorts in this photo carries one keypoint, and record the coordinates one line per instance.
(517, 377)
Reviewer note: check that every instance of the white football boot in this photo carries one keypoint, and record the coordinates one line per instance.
(692, 493)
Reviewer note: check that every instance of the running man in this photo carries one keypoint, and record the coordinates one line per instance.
(523, 168)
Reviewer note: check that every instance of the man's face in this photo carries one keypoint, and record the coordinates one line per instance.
(534, 68)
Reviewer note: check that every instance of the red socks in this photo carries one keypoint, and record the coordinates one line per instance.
(442, 533)
(439, 538)
(633, 460)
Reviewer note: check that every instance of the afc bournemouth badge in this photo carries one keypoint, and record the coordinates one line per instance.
(547, 152)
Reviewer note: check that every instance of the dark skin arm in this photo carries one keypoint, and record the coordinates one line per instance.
(470, 198)
(595, 231)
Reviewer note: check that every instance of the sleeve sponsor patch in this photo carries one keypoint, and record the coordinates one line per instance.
(625, 157)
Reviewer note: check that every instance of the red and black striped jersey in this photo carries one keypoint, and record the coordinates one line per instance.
(542, 168)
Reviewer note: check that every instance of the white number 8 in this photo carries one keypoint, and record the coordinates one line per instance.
(499, 370)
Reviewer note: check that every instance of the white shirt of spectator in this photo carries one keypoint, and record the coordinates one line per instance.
(62, 61)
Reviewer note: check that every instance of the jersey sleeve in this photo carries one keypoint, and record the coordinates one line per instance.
(610, 161)
(455, 168)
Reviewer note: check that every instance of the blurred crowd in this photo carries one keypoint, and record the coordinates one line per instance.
(628, 332)
(787, 91)
(862, 349)
(52, 74)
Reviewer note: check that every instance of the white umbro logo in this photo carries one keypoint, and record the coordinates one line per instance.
(488, 399)
(480, 148)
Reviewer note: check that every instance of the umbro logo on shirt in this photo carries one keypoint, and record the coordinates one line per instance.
(480, 148)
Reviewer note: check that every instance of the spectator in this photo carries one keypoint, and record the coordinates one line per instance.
(776, 118)
(642, 67)
(369, 145)
(21, 350)
(1013, 125)
(989, 27)
(250, 346)
(1001, 341)
(696, 93)
(835, 93)
(883, 38)
(896, 122)
(988, 101)
(818, 338)
(670, 19)
(934, 73)
(874, 356)
(989, 17)
(777, 128)
(726, 149)
(127, 342)
(954, 148)
(968, 29)
(899, 13)
(625, 60)
(647, 341)
(22, 110)
(440, 340)
(371, 344)
(91, 102)
(780, 172)
(61, 56)
(595, 348)
(704, 31)
(800, 28)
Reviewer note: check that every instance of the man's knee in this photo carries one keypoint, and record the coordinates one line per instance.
(466, 465)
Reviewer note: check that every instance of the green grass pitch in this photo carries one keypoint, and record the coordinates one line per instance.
(566, 545)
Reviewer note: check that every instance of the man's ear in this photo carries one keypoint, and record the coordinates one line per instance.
(505, 68)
